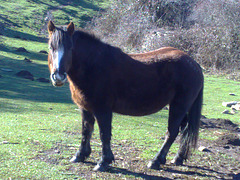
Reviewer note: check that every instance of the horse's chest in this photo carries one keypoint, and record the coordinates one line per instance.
(78, 97)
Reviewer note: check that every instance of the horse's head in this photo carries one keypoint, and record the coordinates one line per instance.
(60, 53)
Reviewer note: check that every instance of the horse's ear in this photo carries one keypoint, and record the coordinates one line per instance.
(70, 28)
(51, 27)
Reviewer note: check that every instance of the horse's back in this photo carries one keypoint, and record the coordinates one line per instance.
(165, 53)
(172, 62)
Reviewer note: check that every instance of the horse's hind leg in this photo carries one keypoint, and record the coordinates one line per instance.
(176, 116)
(182, 153)
(189, 129)
(87, 129)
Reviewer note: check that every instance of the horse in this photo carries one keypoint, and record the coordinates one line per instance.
(104, 80)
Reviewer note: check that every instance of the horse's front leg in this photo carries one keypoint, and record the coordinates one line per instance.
(87, 130)
(104, 119)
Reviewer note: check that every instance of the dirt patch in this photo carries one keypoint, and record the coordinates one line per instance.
(53, 155)
(229, 139)
(221, 162)
(220, 124)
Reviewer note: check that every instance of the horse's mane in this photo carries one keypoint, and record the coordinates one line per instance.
(86, 35)
(93, 39)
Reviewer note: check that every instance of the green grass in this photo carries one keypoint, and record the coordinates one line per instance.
(31, 15)
(40, 128)
(34, 116)
(216, 91)
(37, 118)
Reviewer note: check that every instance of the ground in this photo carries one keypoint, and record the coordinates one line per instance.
(219, 159)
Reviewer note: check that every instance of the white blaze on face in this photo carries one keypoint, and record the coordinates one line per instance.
(58, 57)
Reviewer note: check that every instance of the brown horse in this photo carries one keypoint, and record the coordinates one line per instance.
(103, 80)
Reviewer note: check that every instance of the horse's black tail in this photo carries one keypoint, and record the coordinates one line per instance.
(190, 132)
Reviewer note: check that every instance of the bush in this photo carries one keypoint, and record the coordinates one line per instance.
(123, 24)
(214, 48)
(207, 30)
(169, 12)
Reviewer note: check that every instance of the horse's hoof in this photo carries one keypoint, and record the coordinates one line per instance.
(76, 159)
(177, 161)
(101, 167)
(153, 165)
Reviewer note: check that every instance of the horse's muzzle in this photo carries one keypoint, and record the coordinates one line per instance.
(58, 79)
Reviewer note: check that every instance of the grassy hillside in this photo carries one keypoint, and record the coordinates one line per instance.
(40, 127)
(28, 15)
(23, 24)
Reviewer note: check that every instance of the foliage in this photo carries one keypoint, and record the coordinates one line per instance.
(207, 30)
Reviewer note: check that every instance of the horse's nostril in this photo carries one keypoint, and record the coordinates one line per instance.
(58, 77)
(54, 76)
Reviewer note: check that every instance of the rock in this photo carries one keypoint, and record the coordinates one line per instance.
(236, 107)
(27, 60)
(22, 49)
(57, 151)
(226, 147)
(44, 80)
(229, 104)
(43, 52)
(226, 112)
(232, 94)
(25, 74)
(233, 111)
(203, 149)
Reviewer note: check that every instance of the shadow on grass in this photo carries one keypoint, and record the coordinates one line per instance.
(22, 35)
(7, 21)
(116, 170)
(30, 54)
(13, 87)
(83, 4)
(65, 7)
(206, 172)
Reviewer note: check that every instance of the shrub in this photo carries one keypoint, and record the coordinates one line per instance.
(123, 24)
(207, 30)
(169, 12)
(214, 48)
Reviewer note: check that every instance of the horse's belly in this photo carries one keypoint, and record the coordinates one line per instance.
(138, 108)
